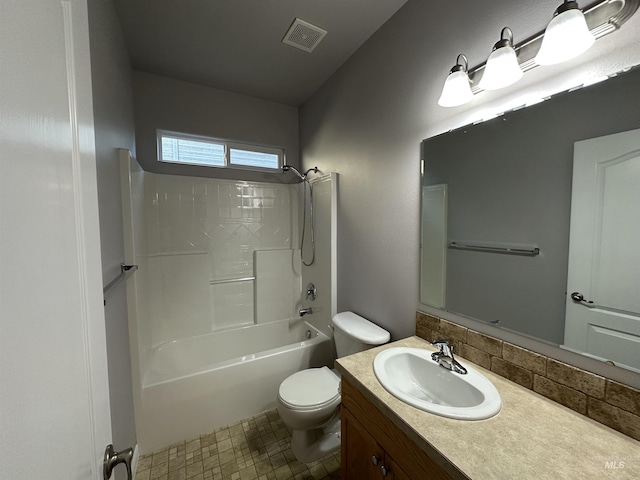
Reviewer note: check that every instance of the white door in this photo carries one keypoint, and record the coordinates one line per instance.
(54, 402)
(604, 249)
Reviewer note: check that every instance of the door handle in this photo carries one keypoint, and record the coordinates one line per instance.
(579, 298)
(113, 458)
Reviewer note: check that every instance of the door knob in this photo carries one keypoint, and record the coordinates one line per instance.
(384, 470)
(113, 458)
(579, 298)
(375, 460)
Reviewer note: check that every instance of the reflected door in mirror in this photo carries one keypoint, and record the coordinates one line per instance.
(604, 255)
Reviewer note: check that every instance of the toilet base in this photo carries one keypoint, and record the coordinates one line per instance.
(311, 445)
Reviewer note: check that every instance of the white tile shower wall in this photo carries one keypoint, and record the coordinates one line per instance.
(179, 305)
(134, 179)
(199, 233)
(229, 304)
(323, 271)
(278, 284)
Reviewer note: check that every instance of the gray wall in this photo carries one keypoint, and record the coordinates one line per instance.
(167, 104)
(510, 182)
(114, 128)
(368, 120)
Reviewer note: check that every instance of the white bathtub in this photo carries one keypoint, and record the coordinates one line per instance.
(195, 385)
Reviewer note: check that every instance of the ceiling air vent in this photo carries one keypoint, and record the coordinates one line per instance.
(303, 35)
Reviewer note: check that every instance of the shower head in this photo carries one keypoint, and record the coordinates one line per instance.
(286, 168)
(302, 176)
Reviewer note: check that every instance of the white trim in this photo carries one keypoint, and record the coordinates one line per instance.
(85, 204)
(79, 219)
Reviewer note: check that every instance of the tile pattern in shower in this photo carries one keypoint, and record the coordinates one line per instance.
(257, 448)
(198, 244)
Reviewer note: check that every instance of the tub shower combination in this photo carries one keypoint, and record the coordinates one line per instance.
(196, 384)
(214, 307)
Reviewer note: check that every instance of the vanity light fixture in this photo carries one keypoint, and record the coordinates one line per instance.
(566, 36)
(457, 88)
(502, 67)
(544, 48)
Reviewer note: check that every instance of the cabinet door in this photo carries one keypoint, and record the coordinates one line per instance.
(366, 432)
(362, 457)
(394, 471)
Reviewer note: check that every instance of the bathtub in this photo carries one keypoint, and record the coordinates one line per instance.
(196, 385)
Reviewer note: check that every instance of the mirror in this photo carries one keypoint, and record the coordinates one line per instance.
(497, 216)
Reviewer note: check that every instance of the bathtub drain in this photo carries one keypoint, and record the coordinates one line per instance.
(307, 334)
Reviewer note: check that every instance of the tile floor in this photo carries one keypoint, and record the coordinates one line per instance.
(255, 449)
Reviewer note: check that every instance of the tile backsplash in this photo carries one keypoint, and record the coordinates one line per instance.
(610, 403)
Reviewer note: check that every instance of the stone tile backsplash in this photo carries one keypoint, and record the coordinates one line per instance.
(610, 403)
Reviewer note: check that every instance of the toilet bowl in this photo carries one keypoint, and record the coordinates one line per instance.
(308, 403)
(309, 400)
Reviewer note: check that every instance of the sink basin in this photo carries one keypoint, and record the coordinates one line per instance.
(412, 376)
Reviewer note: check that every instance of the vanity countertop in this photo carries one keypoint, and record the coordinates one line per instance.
(531, 438)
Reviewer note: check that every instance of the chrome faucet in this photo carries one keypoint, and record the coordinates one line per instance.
(445, 357)
(305, 311)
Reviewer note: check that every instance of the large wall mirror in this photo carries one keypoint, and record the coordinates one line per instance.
(531, 221)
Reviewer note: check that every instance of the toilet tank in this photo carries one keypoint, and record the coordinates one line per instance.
(354, 334)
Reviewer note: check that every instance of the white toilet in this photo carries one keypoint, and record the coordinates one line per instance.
(309, 401)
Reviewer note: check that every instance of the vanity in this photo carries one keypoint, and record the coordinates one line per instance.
(531, 437)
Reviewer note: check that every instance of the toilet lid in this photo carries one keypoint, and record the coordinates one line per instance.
(310, 387)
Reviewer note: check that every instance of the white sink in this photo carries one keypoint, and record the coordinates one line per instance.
(412, 376)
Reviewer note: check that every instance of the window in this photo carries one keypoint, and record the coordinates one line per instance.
(212, 152)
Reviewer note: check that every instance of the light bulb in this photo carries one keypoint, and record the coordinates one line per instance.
(566, 36)
(457, 88)
(502, 68)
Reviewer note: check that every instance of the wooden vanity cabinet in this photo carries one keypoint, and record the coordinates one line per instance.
(373, 448)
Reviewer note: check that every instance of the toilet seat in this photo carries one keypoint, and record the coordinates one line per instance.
(310, 389)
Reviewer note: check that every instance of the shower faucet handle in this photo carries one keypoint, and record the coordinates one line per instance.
(312, 292)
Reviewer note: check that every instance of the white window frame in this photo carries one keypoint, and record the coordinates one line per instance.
(228, 145)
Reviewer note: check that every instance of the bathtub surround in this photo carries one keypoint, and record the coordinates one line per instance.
(323, 272)
(256, 448)
(200, 242)
(610, 403)
(278, 285)
(213, 307)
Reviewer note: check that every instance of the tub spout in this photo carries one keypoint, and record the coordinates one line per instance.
(304, 311)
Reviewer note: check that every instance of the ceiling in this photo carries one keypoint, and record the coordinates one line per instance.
(236, 45)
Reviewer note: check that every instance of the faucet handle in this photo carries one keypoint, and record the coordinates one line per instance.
(444, 346)
(441, 343)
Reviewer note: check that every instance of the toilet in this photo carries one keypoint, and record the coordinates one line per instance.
(309, 400)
